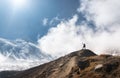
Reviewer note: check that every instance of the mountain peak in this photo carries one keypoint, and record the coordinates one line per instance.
(83, 53)
(20, 55)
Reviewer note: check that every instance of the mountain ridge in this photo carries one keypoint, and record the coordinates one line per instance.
(20, 55)
(79, 64)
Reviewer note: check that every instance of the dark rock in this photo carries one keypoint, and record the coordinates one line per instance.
(83, 64)
(108, 67)
(8, 74)
(83, 53)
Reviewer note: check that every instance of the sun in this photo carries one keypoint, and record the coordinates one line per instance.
(19, 3)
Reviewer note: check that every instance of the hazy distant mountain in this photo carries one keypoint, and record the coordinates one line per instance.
(20, 55)
(79, 64)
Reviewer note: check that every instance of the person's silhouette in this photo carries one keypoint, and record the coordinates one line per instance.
(84, 46)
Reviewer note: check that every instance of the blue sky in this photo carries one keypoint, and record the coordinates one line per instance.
(26, 22)
(60, 26)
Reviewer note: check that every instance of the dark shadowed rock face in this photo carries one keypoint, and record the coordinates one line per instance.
(79, 64)
(8, 74)
(83, 64)
(83, 53)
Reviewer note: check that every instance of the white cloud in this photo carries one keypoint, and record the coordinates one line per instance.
(59, 39)
(45, 21)
(54, 20)
(67, 36)
(2, 58)
(102, 12)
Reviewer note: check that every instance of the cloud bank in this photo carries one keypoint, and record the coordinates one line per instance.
(103, 37)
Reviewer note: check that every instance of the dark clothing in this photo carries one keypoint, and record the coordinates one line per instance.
(84, 46)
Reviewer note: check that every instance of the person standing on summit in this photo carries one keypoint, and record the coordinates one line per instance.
(84, 46)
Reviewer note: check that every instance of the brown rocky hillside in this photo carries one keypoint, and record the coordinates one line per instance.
(79, 64)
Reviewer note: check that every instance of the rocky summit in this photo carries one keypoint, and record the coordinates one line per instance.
(80, 64)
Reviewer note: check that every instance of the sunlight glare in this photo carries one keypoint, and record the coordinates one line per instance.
(19, 3)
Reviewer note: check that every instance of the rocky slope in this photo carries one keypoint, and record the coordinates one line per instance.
(79, 64)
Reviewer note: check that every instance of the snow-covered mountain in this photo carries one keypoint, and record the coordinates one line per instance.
(20, 55)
